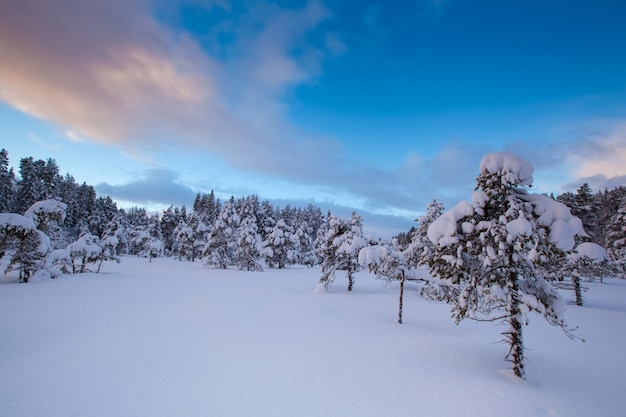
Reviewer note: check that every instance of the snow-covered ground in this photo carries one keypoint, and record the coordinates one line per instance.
(171, 338)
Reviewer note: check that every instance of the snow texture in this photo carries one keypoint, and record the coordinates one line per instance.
(558, 218)
(443, 231)
(589, 250)
(172, 338)
(515, 169)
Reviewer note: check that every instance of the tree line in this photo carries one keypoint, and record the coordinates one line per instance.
(496, 258)
(246, 232)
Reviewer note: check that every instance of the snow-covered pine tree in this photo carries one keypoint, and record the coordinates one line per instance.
(280, 247)
(306, 244)
(492, 247)
(169, 221)
(105, 210)
(420, 250)
(48, 216)
(616, 236)
(248, 251)
(149, 242)
(85, 250)
(387, 261)
(585, 260)
(339, 249)
(137, 225)
(30, 187)
(265, 218)
(419, 239)
(183, 239)
(115, 235)
(221, 244)
(191, 237)
(7, 184)
(22, 245)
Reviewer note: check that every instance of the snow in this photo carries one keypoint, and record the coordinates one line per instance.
(515, 169)
(173, 338)
(443, 230)
(372, 254)
(558, 218)
(519, 227)
(17, 221)
(589, 250)
(44, 207)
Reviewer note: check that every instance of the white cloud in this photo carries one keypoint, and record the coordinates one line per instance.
(603, 154)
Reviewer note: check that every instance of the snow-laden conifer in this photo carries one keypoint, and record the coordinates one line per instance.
(493, 246)
(616, 237)
(280, 247)
(87, 249)
(22, 246)
(221, 244)
(249, 246)
(339, 249)
(48, 216)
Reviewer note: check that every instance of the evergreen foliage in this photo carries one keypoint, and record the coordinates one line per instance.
(339, 249)
(492, 249)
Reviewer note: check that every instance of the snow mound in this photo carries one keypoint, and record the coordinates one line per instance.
(512, 168)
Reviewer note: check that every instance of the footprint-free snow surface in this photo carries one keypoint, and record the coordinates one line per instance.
(171, 338)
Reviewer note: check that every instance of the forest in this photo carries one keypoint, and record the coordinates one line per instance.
(498, 258)
(242, 232)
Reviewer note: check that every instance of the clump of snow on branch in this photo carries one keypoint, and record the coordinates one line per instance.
(510, 168)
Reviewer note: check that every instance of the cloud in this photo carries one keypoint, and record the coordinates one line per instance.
(597, 182)
(598, 157)
(108, 71)
(158, 187)
(602, 153)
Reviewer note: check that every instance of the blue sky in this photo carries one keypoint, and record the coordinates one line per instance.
(374, 106)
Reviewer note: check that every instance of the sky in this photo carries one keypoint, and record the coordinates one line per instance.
(373, 106)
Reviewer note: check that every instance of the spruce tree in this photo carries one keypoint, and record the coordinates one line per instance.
(7, 184)
(494, 246)
(339, 249)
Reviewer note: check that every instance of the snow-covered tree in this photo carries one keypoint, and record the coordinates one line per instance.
(616, 236)
(169, 220)
(30, 187)
(48, 216)
(492, 248)
(137, 225)
(387, 261)
(585, 260)
(115, 236)
(249, 246)
(221, 245)
(104, 211)
(86, 250)
(22, 246)
(419, 251)
(7, 184)
(190, 237)
(149, 242)
(419, 239)
(306, 244)
(266, 218)
(339, 249)
(280, 247)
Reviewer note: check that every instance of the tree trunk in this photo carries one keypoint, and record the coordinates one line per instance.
(350, 279)
(577, 289)
(514, 334)
(401, 294)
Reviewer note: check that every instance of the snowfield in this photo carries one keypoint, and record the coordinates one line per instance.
(169, 338)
